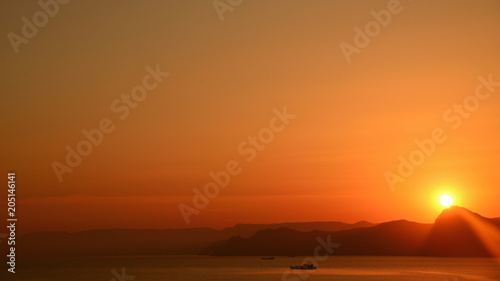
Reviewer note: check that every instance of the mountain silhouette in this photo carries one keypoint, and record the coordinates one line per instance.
(457, 232)
(149, 241)
(247, 230)
(391, 238)
(118, 242)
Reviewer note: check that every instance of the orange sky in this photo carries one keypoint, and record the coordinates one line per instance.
(353, 119)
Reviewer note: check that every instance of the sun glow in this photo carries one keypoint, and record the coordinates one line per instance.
(446, 200)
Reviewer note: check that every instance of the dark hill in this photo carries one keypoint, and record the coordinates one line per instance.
(392, 238)
(458, 232)
(148, 241)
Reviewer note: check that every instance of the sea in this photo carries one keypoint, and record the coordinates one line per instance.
(199, 268)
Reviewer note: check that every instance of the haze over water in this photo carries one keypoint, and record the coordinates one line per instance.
(184, 268)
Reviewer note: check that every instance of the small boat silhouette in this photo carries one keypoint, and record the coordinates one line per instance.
(306, 266)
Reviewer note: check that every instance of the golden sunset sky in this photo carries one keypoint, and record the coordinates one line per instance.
(353, 120)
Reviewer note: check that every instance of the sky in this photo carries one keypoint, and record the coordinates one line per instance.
(218, 74)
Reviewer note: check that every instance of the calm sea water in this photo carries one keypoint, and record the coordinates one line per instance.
(187, 268)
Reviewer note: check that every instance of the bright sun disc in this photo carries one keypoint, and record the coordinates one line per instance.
(446, 200)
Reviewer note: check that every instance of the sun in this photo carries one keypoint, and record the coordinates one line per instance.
(446, 200)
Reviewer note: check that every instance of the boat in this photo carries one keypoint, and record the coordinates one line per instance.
(269, 258)
(306, 266)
